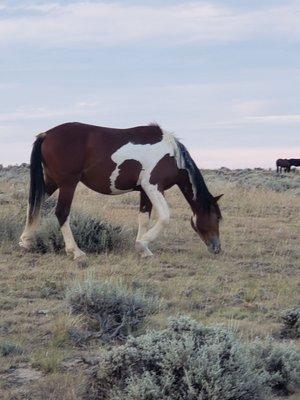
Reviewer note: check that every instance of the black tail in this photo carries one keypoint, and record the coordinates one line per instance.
(37, 183)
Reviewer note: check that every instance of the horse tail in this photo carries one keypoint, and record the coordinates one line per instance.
(37, 182)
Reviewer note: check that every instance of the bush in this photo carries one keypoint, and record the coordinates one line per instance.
(280, 364)
(91, 234)
(115, 313)
(291, 320)
(186, 361)
(10, 227)
(8, 348)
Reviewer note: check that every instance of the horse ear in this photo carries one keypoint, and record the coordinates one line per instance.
(217, 198)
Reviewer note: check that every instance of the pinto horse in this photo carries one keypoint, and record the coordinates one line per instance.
(114, 161)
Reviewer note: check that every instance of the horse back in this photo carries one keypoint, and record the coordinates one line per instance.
(84, 152)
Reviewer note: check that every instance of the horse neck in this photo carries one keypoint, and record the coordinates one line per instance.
(186, 188)
(197, 204)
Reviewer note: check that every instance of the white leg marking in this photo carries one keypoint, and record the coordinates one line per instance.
(161, 206)
(144, 222)
(71, 246)
(29, 231)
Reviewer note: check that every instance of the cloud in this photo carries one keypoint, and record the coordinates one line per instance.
(109, 23)
(283, 119)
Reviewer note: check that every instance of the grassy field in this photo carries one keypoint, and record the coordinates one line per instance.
(246, 287)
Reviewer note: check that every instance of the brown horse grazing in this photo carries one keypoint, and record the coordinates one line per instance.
(283, 163)
(113, 161)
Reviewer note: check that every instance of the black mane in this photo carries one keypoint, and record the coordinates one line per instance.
(203, 196)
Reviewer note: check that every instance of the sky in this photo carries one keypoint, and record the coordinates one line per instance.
(224, 76)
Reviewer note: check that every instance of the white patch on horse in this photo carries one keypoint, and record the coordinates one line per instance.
(71, 245)
(148, 155)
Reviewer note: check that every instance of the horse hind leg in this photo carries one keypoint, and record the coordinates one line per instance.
(31, 225)
(144, 223)
(62, 212)
(33, 221)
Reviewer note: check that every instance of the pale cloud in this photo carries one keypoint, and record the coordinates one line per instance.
(252, 107)
(282, 119)
(105, 23)
(36, 113)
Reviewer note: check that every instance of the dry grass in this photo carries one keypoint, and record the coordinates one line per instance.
(247, 287)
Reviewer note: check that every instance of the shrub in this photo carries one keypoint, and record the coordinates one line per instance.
(10, 227)
(8, 348)
(91, 234)
(53, 289)
(280, 364)
(291, 320)
(186, 361)
(114, 312)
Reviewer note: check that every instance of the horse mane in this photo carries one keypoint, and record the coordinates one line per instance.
(201, 192)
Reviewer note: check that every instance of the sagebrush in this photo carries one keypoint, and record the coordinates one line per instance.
(189, 361)
(114, 311)
(92, 235)
(186, 361)
(279, 363)
(291, 323)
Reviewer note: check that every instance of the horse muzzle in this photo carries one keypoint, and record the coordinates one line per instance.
(214, 246)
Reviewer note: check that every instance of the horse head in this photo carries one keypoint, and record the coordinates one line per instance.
(205, 223)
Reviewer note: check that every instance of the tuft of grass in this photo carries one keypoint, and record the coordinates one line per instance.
(59, 386)
(8, 348)
(49, 360)
(53, 289)
(114, 311)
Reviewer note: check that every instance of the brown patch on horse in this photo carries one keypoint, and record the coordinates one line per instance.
(83, 152)
(129, 172)
(165, 173)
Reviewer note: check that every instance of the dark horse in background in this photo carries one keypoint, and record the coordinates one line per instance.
(114, 161)
(283, 163)
(294, 162)
(287, 163)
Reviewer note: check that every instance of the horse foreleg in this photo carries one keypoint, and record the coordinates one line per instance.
(62, 212)
(161, 206)
(144, 223)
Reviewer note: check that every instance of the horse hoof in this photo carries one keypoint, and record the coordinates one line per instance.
(146, 253)
(82, 262)
(25, 247)
(143, 249)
